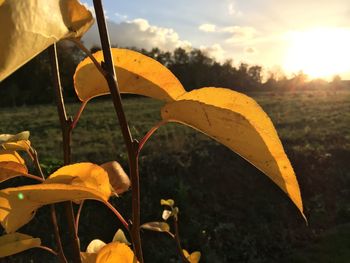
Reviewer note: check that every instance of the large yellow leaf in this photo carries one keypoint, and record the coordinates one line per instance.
(10, 156)
(136, 73)
(238, 122)
(88, 257)
(10, 170)
(115, 252)
(83, 174)
(16, 242)
(18, 204)
(29, 27)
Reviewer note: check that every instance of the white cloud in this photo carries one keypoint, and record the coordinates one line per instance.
(121, 16)
(215, 51)
(232, 9)
(138, 33)
(207, 27)
(239, 33)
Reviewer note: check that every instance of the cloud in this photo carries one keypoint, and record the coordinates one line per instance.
(207, 27)
(239, 33)
(121, 16)
(250, 50)
(137, 33)
(215, 51)
(232, 9)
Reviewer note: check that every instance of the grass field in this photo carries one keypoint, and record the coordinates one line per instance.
(228, 210)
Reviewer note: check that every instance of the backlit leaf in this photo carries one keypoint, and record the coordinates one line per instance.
(136, 74)
(88, 257)
(29, 27)
(119, 236)
(18, 204)
(82, 174)
(95, 246)
(14, 137)
(238, 122)
(10, 156)
(166, 214)
(168, 202)
(117, 177)
(16, 242)
(194, 257)
(115, 252)
(156, 226)
(10, 170)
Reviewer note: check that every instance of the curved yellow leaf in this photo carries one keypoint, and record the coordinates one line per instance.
(88, 257)
(136, 74)
(18, 204)
(115, 252)
(238, 122)
(32, 26)
(22, 145)
(194, 257)
(10, 170)
(10, 156)
(95, 246)
(14, 137)
(117, 177)
(16, 242)
(83, 174)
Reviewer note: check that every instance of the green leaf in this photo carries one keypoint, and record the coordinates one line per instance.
(239, 123)
(14, 243)
(156, 226)
(136, 74)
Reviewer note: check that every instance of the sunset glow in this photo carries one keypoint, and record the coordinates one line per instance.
(321, 52)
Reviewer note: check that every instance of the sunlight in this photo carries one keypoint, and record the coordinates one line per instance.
(319, 52)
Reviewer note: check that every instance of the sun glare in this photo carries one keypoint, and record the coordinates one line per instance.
(319, 53)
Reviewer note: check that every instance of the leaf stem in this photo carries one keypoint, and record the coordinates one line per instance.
(66, 137)
(177, 239)
(131, 144)
(78, 114)
(77, 218)
(149, 134)
(49, 250)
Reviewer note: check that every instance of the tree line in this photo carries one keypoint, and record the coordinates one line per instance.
(31, 84)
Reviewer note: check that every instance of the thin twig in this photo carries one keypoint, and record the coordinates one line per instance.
(131, 145)
(177, 239)
(149, 134)
(120, 217)
(66, 137)
(88, 53)
(78, 114)
(34, 177)
(49, 250)
(77, 217)
(60, 253)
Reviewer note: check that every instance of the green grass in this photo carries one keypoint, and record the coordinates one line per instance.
(228, 210)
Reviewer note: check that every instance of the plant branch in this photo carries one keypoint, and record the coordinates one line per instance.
(120, 217)
(149, 134)
(78, 114)
(131, 145)
(177, 239)
(60, 253)
(66, 136)
(48, 249)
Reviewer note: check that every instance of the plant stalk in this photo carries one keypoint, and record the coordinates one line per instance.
(66, 136)
(177, 240)
(131, 144)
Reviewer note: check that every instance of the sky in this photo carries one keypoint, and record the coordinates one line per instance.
(282, 36)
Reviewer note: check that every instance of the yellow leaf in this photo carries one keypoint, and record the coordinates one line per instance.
(117, 177)
(194, 257)
(168, 202)
(88, 257)
(83, 174)
(115, 252)
(14, 137)
(10, 156)
(10, 170)
(120, 237)
(18, 204)
(238, 122)
(16, 242)
(186, 254)
(95, 246)
(156, 226)
(32, 26)
(22, 145)
(136, 74)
